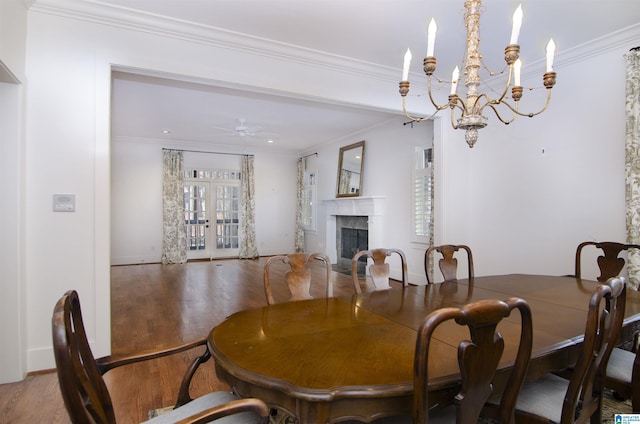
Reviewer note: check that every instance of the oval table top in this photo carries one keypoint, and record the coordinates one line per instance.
(352, 356)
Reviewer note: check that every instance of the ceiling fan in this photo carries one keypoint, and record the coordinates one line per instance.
(244, 130)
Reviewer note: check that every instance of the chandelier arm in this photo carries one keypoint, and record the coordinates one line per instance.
(506, 87)
(498, 100)
(433, 102)
(493, 105)
(497, 113)
(415, 118)
(459, 104)
(546, 105)
(456, 102)
(489, 102)
(516, 112)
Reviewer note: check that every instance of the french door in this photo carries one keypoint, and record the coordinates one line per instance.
(212, 219)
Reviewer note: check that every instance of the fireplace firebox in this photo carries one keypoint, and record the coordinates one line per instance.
(352, 235)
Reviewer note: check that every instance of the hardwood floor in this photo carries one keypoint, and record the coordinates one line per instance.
(157, 306)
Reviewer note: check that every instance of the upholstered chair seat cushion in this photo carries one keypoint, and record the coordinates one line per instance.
(202, 403)
(543, 397)
(620, 364)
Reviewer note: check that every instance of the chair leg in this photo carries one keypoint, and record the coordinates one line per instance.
(635, 398)
(183, 393)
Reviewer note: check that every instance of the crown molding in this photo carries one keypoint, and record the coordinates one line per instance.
(624, 38)
(131, 19)
(135, 20)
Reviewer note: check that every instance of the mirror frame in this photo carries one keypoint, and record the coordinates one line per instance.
(344, 150)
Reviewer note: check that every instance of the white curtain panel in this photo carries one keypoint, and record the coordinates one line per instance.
(248, 246)
(174, 243)
(632, 163)
(300, 206)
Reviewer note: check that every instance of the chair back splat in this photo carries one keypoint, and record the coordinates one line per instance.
(379, 270)
(609, 264)
(478, 358)
(298, 277)
(448, 263)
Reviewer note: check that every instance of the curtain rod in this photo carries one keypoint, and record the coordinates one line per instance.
(215, 153)
(310, 154)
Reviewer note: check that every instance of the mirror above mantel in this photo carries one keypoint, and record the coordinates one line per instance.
(350, 166)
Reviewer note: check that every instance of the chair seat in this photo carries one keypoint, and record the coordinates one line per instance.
(543, 397)
(620, 364)
(202, 403)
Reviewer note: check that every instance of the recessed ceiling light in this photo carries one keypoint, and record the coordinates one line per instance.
(166, 131)
(269, 141)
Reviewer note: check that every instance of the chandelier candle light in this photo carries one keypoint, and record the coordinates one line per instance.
(471, 107)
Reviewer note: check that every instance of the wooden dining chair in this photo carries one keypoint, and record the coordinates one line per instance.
(87, 398)
(478, 359)
(579, 399)
(609, 264)
(379, 270)
(624, 366)
(298, 277)
(448, 263)
(623, 370)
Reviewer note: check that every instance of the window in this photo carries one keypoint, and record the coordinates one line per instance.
(309, 201)
(423, 195)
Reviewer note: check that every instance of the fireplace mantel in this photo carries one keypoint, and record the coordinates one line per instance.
(370, 206)
(355, 206)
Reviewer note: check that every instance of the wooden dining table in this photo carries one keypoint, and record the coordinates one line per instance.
(351, 357)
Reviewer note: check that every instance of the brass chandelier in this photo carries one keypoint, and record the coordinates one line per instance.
(466, 113)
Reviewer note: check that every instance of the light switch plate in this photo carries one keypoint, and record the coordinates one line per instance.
(64, 202)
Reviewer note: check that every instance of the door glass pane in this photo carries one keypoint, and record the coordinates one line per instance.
(212, 212)
(227, 212)
(195, 216)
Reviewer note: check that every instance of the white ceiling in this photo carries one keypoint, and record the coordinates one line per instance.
(373, 31)
(202, 115)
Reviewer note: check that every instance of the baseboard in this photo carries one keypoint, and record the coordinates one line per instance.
(40, 359)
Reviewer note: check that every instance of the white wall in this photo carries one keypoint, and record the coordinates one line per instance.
(275, 191)
(519, 210)
(13, 38)
(12, 301)
(136, 202)
(13, 28)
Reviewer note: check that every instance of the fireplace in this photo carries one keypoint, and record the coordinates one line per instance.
(352, 241)
(359, 213)
(352, 235)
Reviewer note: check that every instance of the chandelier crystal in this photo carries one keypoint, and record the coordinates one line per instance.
(467, 112)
